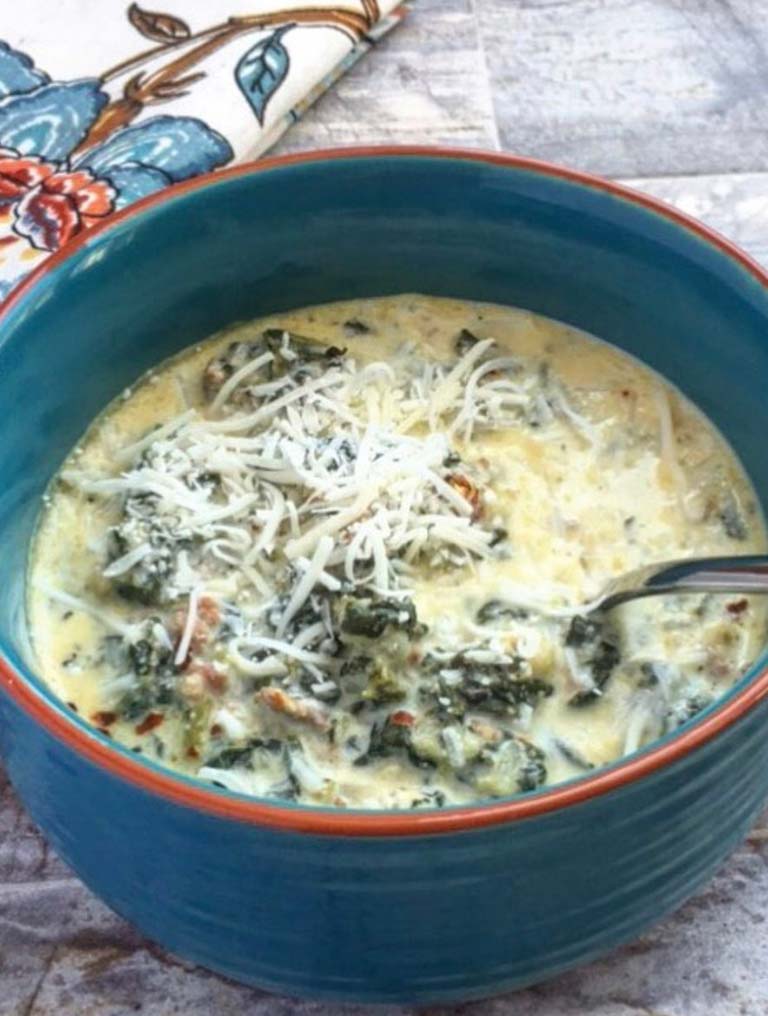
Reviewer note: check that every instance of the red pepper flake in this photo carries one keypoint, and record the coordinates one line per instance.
(192, 752)
(104, 719)
(737, 607)
(149, 722)
(413, 657)
(402, 718)
(626, 392)
(216, 729)
(467, 489)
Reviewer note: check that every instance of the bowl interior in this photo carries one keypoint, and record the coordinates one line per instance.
(314, 231)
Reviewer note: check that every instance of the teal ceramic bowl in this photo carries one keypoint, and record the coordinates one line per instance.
(378, 906)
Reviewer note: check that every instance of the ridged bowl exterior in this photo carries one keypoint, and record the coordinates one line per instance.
(406, 919)
(451, 915)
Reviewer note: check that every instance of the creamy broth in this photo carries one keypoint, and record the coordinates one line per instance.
(338, 556)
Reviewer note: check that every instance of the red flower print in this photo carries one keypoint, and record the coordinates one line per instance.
(61, 206)
(51, 204)
(19, 174)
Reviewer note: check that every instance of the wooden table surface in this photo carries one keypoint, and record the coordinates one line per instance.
(670, 95)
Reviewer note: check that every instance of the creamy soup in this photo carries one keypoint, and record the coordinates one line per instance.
(342, 556)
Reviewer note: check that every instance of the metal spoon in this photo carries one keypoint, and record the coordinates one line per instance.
(748, 574)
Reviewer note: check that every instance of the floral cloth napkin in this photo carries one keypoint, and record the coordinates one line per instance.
(103, 102)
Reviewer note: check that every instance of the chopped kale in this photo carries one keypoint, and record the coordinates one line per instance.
(148, 593)
(582, 630)
(385, 739)
(596, 650)
(308, 355)
(732, 520)
(141, 654)
(147, 656)
(497, 688)
(287, 790)
(464, 341)
(221, 368)
(307, 352)
(603, 662)
(355, 670)
(242, 755)
(146, 582)
(393, 738)
(574, 757)
(356, 327)
(513, 765)
(310, 613)
(498, 535)
(232, 622)
(158, 690)
(686, 708)
(496, 610)
(649, 675)
(533, 771)
(429, 799)
(502, 689)
(382, 686)
(152, 663)
(205, 478)
(135, 704)
(371, 616)
(341, 450)
(585, 698)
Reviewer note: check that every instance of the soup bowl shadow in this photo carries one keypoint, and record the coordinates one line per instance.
(425, 906)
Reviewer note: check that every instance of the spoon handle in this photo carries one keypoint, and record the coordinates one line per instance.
(748, 574)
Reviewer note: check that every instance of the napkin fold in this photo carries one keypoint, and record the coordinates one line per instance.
(103, 102)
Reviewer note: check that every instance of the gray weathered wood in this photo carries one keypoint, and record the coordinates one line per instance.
(425, 83)
(620, 87)
(631, 87)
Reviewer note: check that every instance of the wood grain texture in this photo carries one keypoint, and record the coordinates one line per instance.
(670, 94)
(631, 87)
(425, 83)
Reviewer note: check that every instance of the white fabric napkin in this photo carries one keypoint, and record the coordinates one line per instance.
(103, 102)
